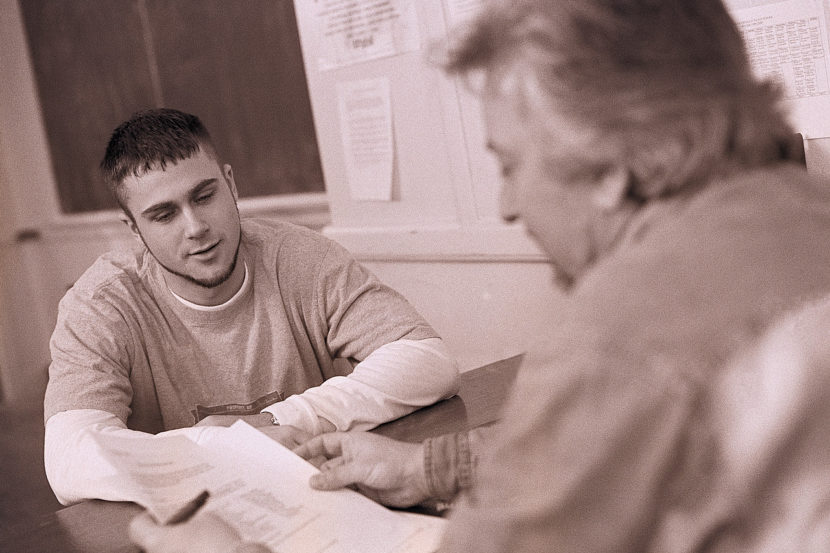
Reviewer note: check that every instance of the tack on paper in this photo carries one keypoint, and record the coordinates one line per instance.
(353, 31)
(787, 42)
(365, 110)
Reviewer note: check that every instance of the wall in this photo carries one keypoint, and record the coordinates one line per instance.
(23, 315)
(42, 250)
(440, 241)
(483, 284)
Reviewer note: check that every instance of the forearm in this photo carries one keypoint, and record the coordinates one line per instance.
(393, 381)
(75, 467)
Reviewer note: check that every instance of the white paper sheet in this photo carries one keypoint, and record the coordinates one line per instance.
(261, 488)
(365, 108)
(787, 42)
(271, 502)
(353, 31)
(161, 474)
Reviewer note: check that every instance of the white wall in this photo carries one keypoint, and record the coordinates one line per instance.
(440, 241)
(483, 284)
(35, 272)
(23, 315)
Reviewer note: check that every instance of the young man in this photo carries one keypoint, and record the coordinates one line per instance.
(651, 166)
(210, 319)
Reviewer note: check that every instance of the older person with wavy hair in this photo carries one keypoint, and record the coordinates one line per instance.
(655, 170)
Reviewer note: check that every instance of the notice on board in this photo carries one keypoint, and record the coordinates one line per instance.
(787, 43)
(461, 11)
(365, 108)
(353, 31)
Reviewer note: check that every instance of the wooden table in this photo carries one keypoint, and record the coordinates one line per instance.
(101, 526)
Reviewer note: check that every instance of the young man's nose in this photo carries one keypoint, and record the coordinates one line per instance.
(195, 225)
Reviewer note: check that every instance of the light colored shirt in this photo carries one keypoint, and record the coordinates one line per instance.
(124, 346)
(606, 443)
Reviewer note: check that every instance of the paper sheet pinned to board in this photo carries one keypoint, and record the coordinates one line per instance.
(787, 42)
(461, 11)
(365, 108)
(261, 488)
(353, 31)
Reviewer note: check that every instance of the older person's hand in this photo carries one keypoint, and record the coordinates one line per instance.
(386, 470)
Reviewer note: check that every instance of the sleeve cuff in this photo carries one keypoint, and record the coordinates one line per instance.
(448, 465)
(296, 411)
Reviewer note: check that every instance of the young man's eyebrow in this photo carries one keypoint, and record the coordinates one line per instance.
(161, 206)
(201, 186)
(155, 208)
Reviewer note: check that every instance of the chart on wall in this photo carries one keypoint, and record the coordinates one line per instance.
(787, 42)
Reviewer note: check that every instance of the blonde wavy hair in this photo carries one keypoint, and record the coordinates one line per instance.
(662, 87)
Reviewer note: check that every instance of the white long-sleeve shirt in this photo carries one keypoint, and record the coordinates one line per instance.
(124, 345)
(372, 394)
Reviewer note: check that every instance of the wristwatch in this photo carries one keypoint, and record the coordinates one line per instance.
(274, 420)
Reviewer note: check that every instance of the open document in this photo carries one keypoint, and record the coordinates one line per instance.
(261, 488)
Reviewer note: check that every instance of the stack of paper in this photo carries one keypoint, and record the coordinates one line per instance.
(262, 489)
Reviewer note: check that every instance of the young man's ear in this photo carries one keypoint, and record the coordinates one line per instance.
(611, 190)
(228, 172)
(127, 220)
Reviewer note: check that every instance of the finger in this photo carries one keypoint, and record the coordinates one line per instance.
(332, 464)
(298, 436)
(144, 531)
(283, 435)
(325, 445)
(338, 474)
(303, 436)
(318, 461)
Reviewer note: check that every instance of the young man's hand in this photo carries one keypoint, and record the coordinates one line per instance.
(289, 436)
(386, 470)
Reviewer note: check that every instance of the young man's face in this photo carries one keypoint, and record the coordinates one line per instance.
(187, 217)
